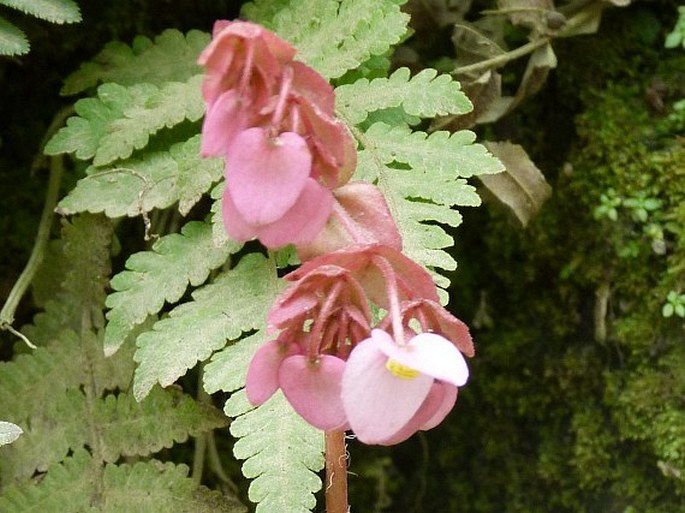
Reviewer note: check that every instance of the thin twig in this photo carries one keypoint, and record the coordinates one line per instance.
(37, 253)
(501, 60)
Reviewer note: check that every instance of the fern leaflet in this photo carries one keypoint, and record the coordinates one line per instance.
(281, 452)
(163, 274)
(171, 57)
(12, 40)
(426, 191)
(425, 95)
(154, 180)
(334, 36)
(122, 119)
(54, 11)
(236, 301)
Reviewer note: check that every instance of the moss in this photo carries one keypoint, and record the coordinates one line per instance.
(575, 404)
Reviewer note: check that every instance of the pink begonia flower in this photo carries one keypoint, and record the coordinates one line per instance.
(269, 193)
(370, 265)
(273, 120)
(321, 317)
(432, 317)
(360, 216)
(312, 387)
(243, 56)
(390, 391)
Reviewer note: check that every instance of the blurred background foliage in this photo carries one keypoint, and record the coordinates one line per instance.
(577, 396)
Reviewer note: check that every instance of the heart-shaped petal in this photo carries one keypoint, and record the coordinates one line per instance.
(266, 175)
(303, 221)
(313, 389)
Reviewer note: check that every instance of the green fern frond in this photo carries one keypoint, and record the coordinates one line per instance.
(425, 95)
(64, 489)
(54, 11)
(282, 454)
(235, 302)
(81, 484)
(334, 36)
(122, 119)
(155, 487)
(161, 275)
(49, 371)
(171, 57)
(131, 428)
(428, 181)
(228, 367)
(12, 39)
(218, 231)
(154, 180)
(122, 425)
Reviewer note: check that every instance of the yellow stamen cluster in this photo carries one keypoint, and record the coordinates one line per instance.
(401, 371)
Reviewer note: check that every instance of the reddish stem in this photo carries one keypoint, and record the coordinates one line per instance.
(336, 472)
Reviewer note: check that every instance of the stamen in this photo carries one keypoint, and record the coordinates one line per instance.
(400, 370)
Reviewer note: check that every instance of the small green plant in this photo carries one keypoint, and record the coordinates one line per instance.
(675, 305)
(677, 36)
(608, 207)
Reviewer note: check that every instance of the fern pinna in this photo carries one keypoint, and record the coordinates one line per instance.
(104, 401)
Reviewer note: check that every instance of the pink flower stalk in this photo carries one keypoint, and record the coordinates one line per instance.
(390, 391)
(272, 118)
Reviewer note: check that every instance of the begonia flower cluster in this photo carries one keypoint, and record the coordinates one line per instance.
(361, 341)
(272, 118)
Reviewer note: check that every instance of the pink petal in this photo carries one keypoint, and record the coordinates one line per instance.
(335, 148)
(262, 374)
(303, 221)
(225, 118)
(429, 354)
(316, 89)
(378, 403)
(266, 175)
(234, 223)
(361, 216)
(445, 402)
(434, 409)
(313, 389)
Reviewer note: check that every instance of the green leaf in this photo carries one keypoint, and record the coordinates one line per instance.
(155, 180)
(78, 486)
(155, 487)
(124, 427)
(228, 367)
(9, 432)
(162, 274)
(166, 416)
(218, 231)
(170, 57)
(65, 489)
(422, 177)
(236, 301)
(427, 94)
(12, 40)
(54, 11)
(122, 119)
(282, 454)
(49, 371)
(334, 36)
